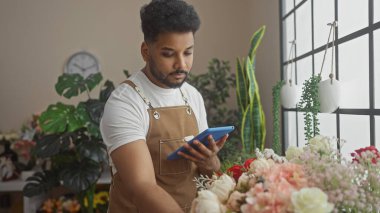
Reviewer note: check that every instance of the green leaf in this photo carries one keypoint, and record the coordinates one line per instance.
(93, 150)
(70, 85)
(255, 41)
(60, 117)
(79, 176)
(40, 183)
(241, 86)
(50, 145)
(95, 110)
(126, 73)
(93, 80)
(106, 91)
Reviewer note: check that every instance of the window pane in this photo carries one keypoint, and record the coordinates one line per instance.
(288, 27)
(323, 14)
(355, 130)
(303, 28)
(353, 73)
(376, 46)
(318, 58)
(299, 1)
(287, 5)
(327, 126)
(376, 11)
(301, 129)
(377, 131)
(304, 70)
(352, 16)
(291, 128)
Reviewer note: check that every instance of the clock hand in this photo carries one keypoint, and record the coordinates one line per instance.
(82, 69)
(93, 65)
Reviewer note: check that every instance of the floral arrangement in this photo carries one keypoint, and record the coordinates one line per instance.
(315, 178)
(70, 204)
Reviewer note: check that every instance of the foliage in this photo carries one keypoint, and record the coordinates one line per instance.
(310, 104)
(214, 85)
(252, 129)
(71, 139)
(276, 109)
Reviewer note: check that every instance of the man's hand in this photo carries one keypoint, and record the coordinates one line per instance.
(205, 157)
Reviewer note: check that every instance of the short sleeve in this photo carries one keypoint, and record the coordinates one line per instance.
(123, 119)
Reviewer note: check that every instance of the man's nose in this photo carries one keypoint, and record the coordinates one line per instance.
(180, 63)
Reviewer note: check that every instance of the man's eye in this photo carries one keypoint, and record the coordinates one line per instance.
(167, 54)
(188, 53)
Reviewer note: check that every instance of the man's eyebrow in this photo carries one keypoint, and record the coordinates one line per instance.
(171, 49)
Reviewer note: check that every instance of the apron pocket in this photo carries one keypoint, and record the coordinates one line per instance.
(172, 167)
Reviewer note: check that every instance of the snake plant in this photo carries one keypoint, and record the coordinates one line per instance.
(252, 129)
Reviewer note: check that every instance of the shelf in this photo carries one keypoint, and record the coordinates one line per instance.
(18, 185)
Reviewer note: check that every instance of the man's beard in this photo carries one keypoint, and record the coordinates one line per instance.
(164, 78)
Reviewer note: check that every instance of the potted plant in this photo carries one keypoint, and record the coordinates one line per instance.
(71, 140)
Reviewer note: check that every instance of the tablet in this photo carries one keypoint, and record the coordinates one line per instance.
(216, 132)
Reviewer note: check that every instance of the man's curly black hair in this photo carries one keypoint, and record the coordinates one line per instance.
(160, 16)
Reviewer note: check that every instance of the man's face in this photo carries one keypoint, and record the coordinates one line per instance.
(169, 59)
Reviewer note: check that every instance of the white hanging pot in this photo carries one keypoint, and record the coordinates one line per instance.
(290, 95)
(329, 95)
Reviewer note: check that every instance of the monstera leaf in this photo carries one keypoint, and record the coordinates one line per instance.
(93, 150)
(40, 182)
(79, 176)
(106, 91)
(61, 117)
(70, 85)
(50, 145)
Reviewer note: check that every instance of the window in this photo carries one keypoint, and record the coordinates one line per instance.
(356, 64)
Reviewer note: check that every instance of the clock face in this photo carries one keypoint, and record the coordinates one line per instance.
(83, 63)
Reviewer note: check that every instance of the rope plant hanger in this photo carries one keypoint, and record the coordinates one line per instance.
(290, 91)
(329, 89)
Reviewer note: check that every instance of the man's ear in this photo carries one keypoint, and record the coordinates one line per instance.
(145, 51)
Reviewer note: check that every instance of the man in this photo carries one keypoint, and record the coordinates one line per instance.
(148, 116)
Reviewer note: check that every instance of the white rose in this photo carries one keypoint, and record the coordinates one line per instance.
(243, 181)
(235, 201)
(293, 152)
(311, 200)
(207, 202)
(320, 144)
(222, 187)
(260, 163)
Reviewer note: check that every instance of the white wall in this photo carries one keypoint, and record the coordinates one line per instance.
(37, 37)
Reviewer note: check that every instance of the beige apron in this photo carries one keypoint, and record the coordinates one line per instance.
(167, 128)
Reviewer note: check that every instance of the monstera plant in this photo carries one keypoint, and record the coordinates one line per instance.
(72, 141)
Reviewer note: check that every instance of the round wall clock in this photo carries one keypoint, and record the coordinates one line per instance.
(83, 63)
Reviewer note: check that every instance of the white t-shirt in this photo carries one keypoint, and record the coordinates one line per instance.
(126, 119)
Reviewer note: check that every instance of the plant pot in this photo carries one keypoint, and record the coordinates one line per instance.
(290, 95)
(329, 95)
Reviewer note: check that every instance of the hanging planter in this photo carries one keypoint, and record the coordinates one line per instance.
(290, 92)
(329, 95)
(329, 89)
(290, 95)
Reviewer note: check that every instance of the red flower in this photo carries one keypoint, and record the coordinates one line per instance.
(248, 162)
(236, 171)
(361, 150)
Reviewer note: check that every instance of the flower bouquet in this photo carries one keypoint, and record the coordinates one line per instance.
(315, 178)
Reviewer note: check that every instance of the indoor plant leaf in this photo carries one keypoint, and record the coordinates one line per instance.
(79, 176)
(39, 183)
(59, 118)
(93, 80)
(70, 85)
(106, 91)
(93, 150)
(50, 145)
(95, 109)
